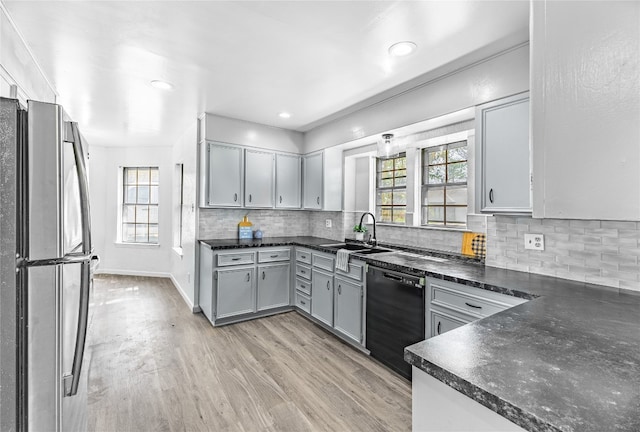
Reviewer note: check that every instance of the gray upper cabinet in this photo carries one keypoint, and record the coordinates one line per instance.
(347, 315)
(288, 181)
(258, 189)
(313, 181)
(225, 172)
(322, 297)
(273, 285)
(503, 156)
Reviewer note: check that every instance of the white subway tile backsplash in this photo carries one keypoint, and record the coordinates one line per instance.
(599, 252)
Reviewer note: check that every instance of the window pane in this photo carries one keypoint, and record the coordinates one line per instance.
(400, 163)
(385, 214)
(128, 213)
(456, 215)
(153, 214)
(153, 233)
(399, 215)
(131, 175)
(400, 181)
(456, 195)
(401, 173)
(143, 195)
(386, 183)
(153, 199)
(143, 175)
(128, 232)
(436, 156)
(433, 195)
(458, 153)
(436, 174)
(141, 233)
(384, 198)
(457, 172)
(142, 214)
(130, 194)
(386, 165)
(435, 214)
(386, 174)
(399, 197)
(154, 173)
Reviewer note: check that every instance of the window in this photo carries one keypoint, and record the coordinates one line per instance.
(444, 185)
(178, 199)
(140, 205)
(391, 190)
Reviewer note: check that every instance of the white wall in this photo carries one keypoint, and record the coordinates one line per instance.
(499, 76)
(104, 164)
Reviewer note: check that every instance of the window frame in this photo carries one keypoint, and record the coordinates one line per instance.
(425, 185)
(392, 189)
(125, 205)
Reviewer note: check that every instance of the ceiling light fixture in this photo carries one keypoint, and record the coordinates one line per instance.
(387, 147)
(284, 115)
(402, 49)
(162, 85)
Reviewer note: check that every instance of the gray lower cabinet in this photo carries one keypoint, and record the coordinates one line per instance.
(322, 297)
(347, 309)
(273, 285)
(235, 291)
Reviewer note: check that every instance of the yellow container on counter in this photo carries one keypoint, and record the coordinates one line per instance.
(245, 230)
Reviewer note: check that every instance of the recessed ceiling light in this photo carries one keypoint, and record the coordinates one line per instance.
(162, 85)
(402, 49)
(284, 115)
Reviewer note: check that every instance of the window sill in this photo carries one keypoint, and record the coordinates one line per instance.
(137, 245)
(426, 227)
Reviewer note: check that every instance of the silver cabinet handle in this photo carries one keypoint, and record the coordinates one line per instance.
(248, 277)
(318, 200)
(473, 306)
(280, 199)
(235, 197)
(339, 289)
(439, 327)
(303, 256)
(263, 275)
(303, 302)
(491, 195)
(274, 256)
(302, 271)
(249, 197)
(235, 259)
(328, 284)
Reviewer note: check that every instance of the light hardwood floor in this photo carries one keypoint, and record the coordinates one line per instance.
(155, 366)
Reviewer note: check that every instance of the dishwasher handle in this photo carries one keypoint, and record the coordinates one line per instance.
(397, 277)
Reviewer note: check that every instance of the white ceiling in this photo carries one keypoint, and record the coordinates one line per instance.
(244, 59)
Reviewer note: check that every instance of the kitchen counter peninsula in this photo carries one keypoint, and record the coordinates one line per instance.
(567, 360)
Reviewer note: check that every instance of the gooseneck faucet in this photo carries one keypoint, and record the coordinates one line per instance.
(372, 240)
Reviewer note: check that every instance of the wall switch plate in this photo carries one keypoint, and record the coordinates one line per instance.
(534, 241)
(327, 223)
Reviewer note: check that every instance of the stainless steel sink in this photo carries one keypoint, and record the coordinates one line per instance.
(356, 248)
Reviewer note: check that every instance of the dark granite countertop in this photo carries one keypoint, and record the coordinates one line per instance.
(568, 360)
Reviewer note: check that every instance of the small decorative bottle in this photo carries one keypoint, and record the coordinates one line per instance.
(244, 229)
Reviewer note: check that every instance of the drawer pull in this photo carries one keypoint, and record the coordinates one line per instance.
(303, 302)
(303, 256)
(473, 306)
(302, 271)
(274, 256)
(236, 259)
(439, 323)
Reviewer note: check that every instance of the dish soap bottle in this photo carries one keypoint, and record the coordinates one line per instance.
(244, 229)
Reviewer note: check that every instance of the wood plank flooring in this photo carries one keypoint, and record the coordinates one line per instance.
(155, 366)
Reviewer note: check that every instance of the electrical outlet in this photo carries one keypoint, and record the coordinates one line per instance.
(327, 223)
(534, 241)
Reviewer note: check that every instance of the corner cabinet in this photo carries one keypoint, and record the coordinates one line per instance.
(225, 174)
(503, 155)
(313, 179)
(322, 180)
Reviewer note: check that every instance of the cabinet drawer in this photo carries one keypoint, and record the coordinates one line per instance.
(355, 271)
(303, 271)
(442, 323)
(323, 261)
(303, 302)
(467, 303)
(235, 258)
(274, 255)
(303, 255)
(303, 285)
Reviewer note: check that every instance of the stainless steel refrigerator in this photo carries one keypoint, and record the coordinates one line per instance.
(46, 266)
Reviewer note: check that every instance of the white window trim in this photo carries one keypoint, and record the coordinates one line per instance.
(118, 242)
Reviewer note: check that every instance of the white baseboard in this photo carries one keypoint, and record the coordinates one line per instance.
(194, 309)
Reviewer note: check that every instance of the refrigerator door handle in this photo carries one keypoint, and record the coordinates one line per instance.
(84, 188)
(70, 258)
(71, 381)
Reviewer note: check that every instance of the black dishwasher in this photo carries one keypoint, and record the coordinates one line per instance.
(395, 316)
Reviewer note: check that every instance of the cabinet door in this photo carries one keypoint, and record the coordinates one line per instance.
(258, 189)
(235, 292)
(347, 309)
(313, 181)
(442, 323)
(225, 175)
(273, 286)
(288, 176)
(503, 132)
(322, 297)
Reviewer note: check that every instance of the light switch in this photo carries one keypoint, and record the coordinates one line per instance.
(534, 241)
